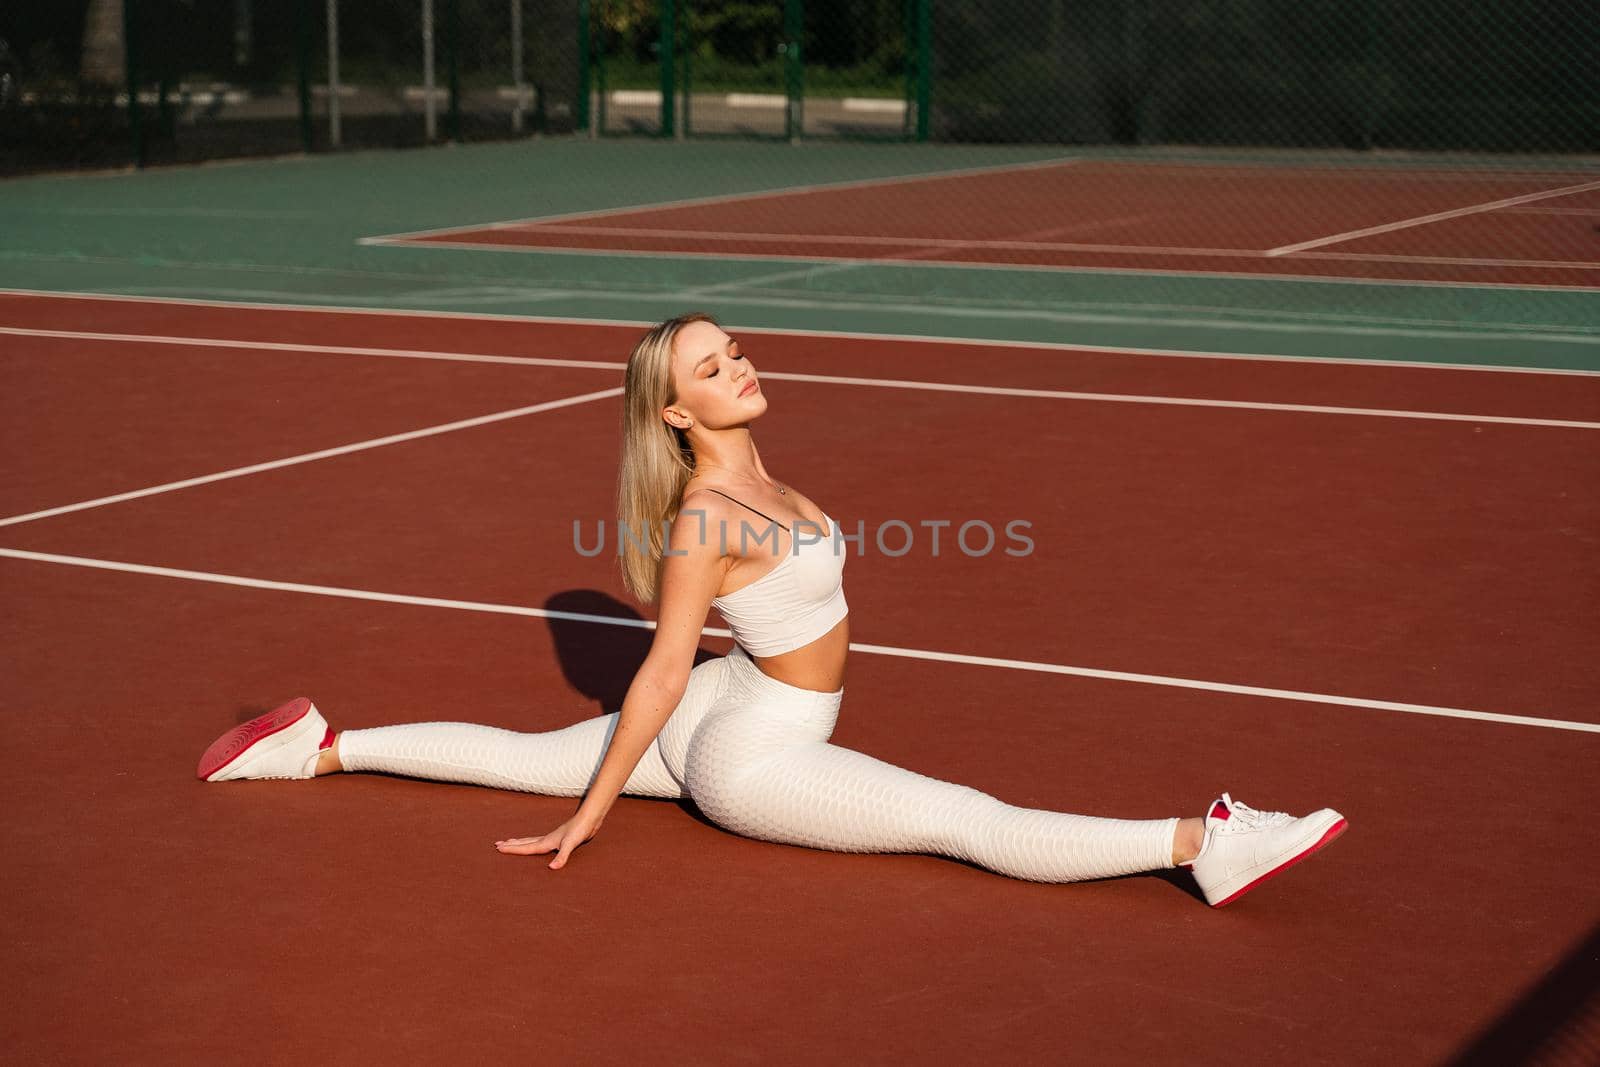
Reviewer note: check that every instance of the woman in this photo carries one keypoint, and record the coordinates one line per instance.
(746, 735)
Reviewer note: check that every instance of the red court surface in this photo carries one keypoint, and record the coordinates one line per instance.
(1424, 583)
(1481, 228)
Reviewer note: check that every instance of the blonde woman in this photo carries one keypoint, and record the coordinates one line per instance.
(745, 736)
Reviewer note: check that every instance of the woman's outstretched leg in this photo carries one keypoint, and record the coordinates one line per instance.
(760, 765)
(823, 796)
(294, 741)
(560, 762)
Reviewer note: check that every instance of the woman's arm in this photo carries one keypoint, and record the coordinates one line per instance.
(690, 576)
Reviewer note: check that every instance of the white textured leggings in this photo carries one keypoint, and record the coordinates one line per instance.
(753, 754)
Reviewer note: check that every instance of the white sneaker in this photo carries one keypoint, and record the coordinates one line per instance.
(283, 743)
(1244, 847)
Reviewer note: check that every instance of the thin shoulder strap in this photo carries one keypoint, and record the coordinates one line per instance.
(742, 504)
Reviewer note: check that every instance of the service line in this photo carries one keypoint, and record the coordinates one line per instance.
(879, 650)
(309, 457)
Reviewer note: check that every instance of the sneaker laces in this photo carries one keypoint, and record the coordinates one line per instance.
(1248, 818)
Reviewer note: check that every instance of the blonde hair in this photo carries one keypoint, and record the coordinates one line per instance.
(657, 461)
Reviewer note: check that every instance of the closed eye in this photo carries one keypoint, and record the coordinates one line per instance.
(713, 374)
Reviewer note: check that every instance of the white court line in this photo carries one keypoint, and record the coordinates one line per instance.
(308, 457)
(881, 650)
(730, 198)
(823, 379)
(813, 272)
(327, 350)
(1102, 312)
(1422, 220)
(1182, 401)
(1586, 211)
(1087, 249)
(766, 279)
(765, 237)
(1464, 261)
(854, 335)
(955, 244)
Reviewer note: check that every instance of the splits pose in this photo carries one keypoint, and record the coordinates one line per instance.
(745, 736)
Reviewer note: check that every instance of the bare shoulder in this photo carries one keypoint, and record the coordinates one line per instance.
(703, 501)
(702, 514)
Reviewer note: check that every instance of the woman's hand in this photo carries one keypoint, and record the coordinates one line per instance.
(562, 840)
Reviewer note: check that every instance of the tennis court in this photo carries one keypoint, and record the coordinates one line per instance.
(1360, 224)
(1307, 443)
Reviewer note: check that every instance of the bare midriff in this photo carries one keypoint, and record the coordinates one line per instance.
(818, 665)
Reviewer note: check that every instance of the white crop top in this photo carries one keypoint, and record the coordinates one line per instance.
(797, 601)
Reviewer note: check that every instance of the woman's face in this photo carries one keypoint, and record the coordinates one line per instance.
(716, 382)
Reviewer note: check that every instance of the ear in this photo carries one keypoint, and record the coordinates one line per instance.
(676, 418)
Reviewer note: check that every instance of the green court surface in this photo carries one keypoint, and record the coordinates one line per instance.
(288, 231)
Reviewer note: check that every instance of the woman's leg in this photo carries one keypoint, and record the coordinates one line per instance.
(824, 796)
(560, 762)
(760, 765)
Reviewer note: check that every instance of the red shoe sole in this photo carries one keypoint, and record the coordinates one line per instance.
(1322, 842)
(231, 745)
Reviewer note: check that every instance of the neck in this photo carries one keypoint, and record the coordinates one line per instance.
(731, 451)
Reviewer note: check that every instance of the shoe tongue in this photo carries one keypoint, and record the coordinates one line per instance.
(1219, 811)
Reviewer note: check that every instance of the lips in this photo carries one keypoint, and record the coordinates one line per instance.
(747, 390)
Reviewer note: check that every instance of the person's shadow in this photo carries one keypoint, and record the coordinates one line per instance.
(600, 656)
(601, 643)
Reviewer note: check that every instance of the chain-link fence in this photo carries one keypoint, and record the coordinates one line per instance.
(778, 69)
(113, 82)
(108, 82)
(1515, 75)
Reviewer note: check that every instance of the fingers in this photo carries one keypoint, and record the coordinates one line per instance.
(526, 846)
(562, 841)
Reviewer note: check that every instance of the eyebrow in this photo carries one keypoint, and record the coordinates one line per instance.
(731, 344)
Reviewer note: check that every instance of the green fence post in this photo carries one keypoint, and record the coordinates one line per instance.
(583, 66)
(599, 93)
(687, 85)
(794, 31)
(452, 23)
(924, 65)
(302, 60)
(130, 61)
(669, 97)
(908, 91)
